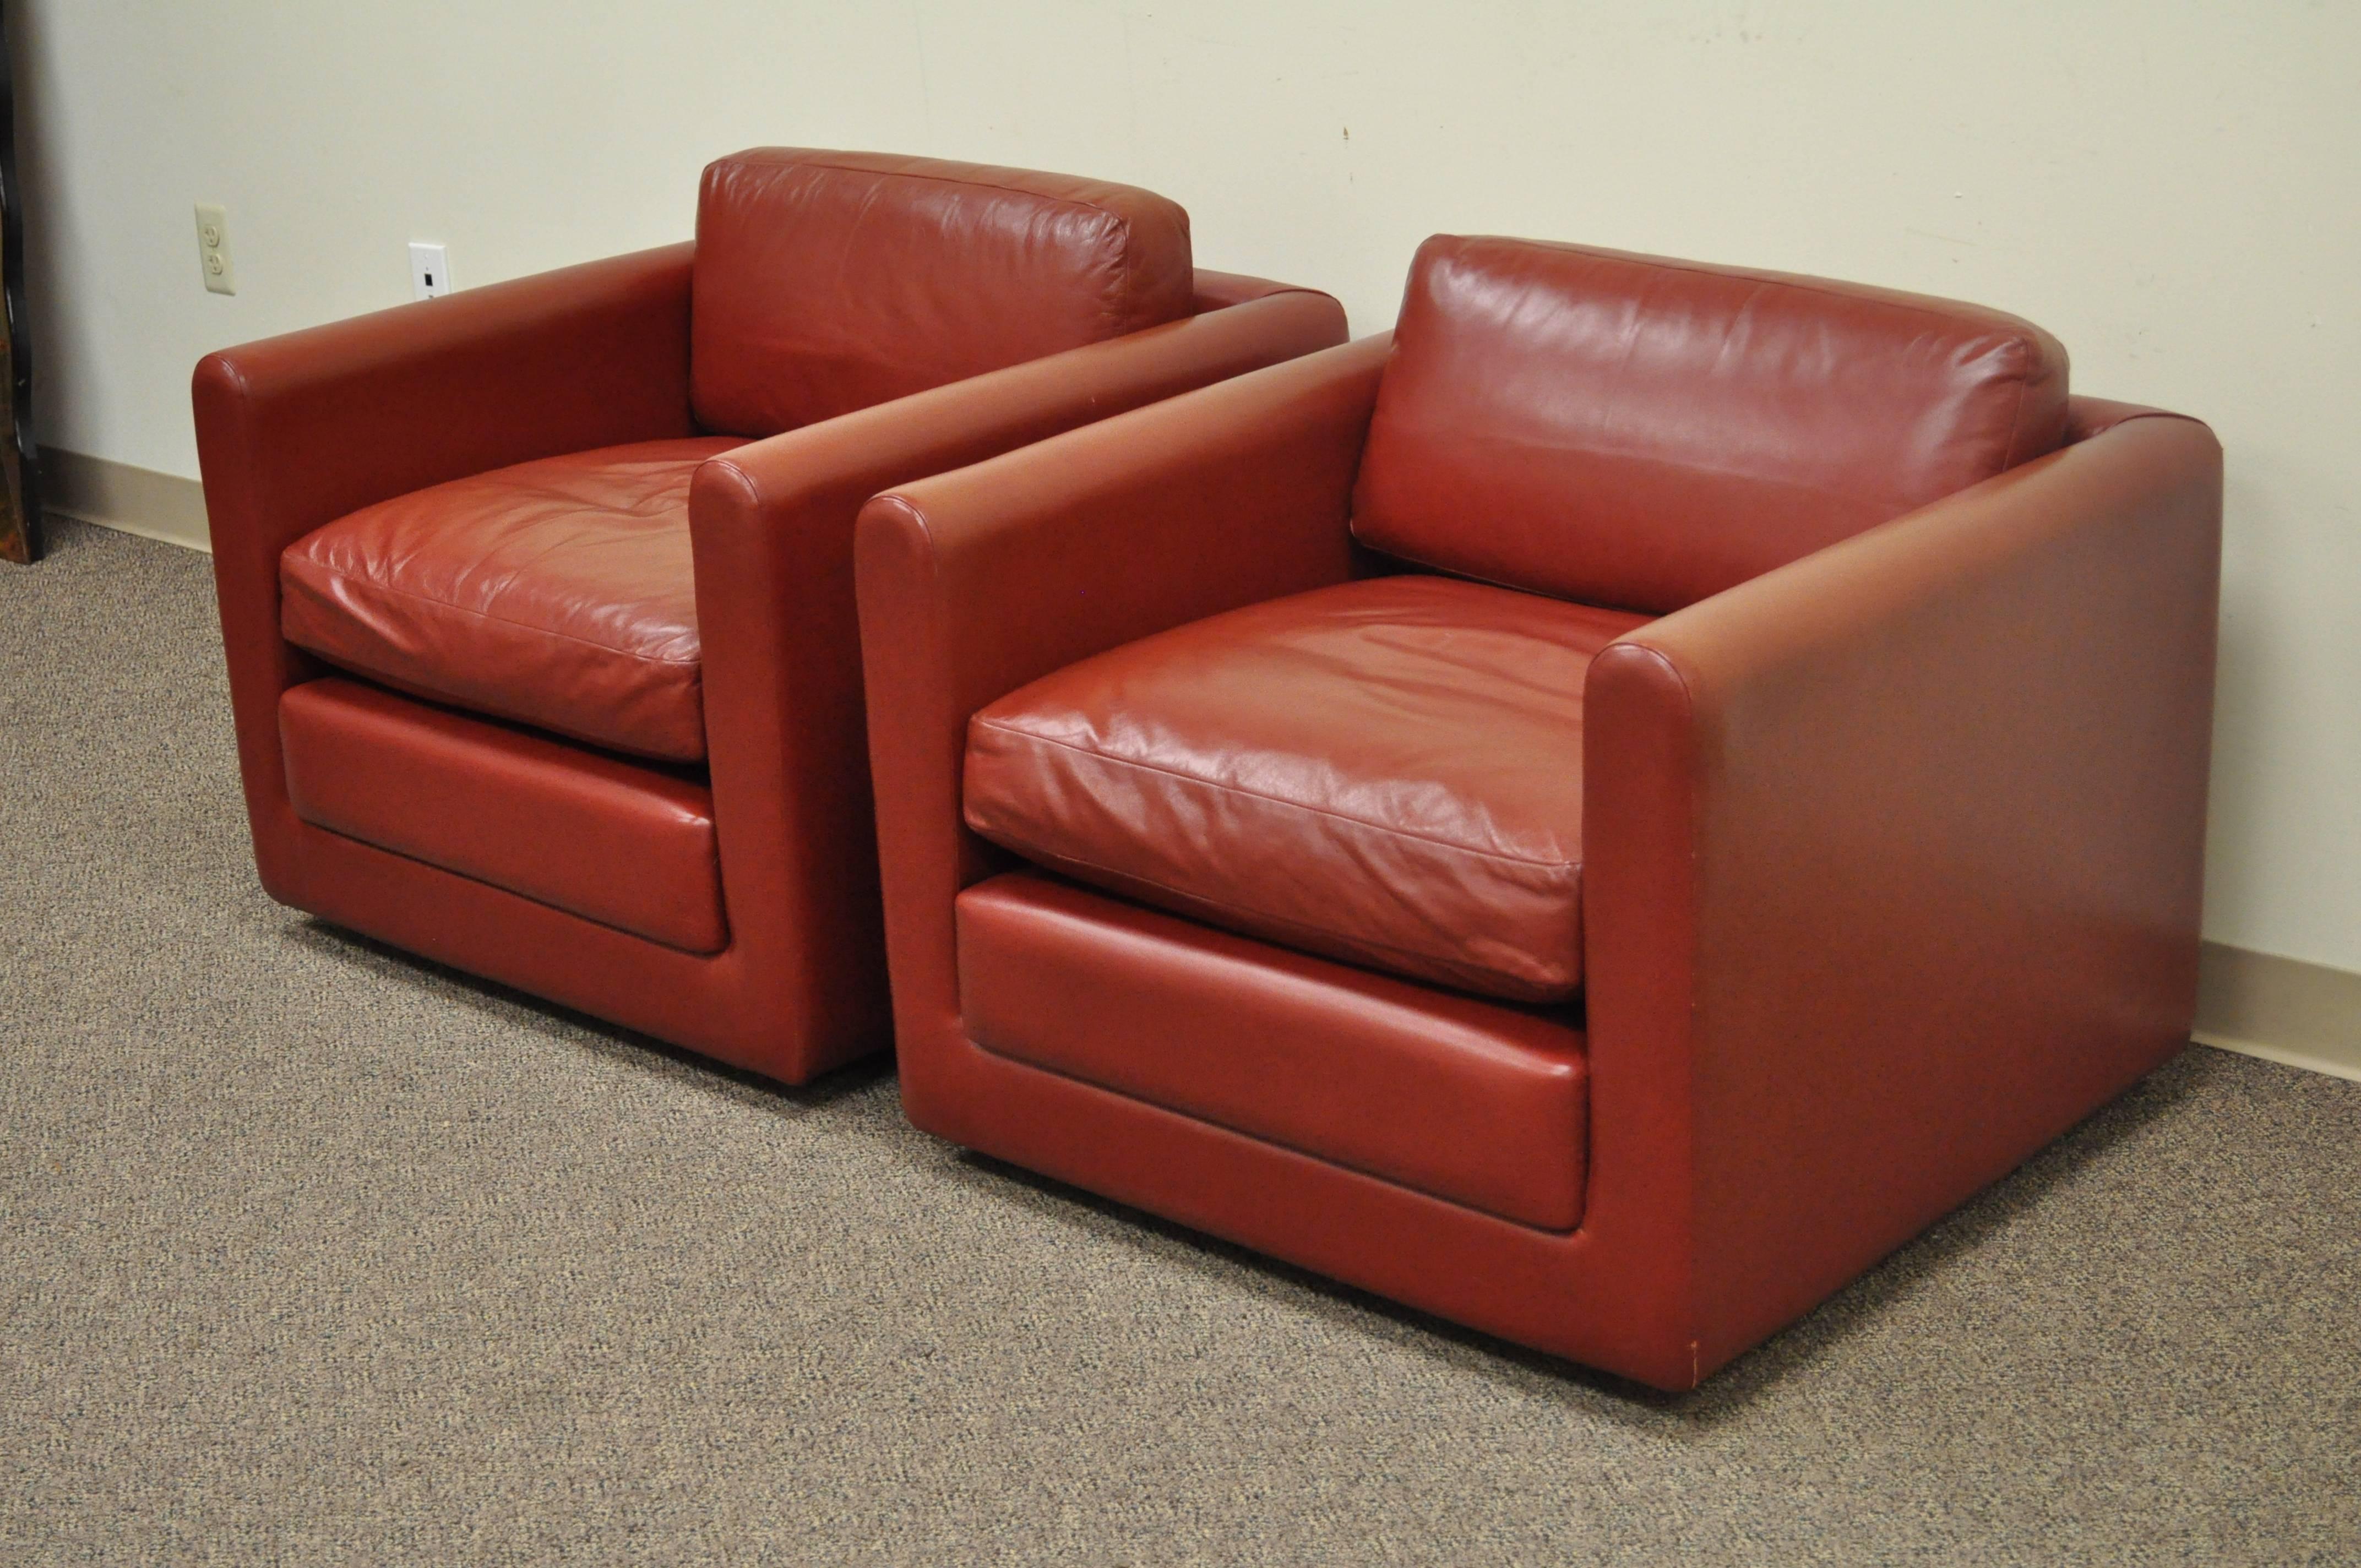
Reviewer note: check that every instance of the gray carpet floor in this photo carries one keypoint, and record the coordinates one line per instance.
(313, 1254)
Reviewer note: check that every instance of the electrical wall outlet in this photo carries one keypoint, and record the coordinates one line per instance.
(213, 249)
(430, 272)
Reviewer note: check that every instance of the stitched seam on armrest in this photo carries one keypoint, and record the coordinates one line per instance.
(2147, 413)
(2008, 456)
(1274, 292)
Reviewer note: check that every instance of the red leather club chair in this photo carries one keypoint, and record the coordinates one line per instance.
(1596, 816)
(538, 598)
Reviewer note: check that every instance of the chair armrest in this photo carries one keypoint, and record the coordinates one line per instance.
(2088, 416)
(1219, 290)
(771, 526)
(1894, 862)
(295, 432)
(975, 582)
(1238, 493)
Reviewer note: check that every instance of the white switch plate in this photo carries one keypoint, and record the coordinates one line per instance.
(213, 249)
(430, 272)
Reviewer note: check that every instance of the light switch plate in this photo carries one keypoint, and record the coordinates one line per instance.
(213, 249)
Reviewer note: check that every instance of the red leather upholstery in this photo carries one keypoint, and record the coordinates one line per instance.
(1474, 1103)
(1892, 864)
(1386, 771)
(1901, 852)
(298, 432)
(828, 281)
(558, 593)
(1627, 429)
(2087, 417)
(1219, 290)
(625, 845)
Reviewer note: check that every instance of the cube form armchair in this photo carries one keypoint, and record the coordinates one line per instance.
(538, 598)
(1597, 816)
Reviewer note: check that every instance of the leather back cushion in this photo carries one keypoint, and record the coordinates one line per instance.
(828, 281)
(1625, 430)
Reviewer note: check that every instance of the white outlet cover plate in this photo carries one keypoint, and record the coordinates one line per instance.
(213, 249)
(430, 271)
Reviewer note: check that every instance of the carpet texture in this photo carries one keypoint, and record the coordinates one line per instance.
(313, 1254)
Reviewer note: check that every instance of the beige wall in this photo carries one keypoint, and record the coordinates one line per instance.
(2170, 188)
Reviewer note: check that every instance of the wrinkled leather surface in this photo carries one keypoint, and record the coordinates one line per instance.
(556, 593)
(1828, 997)
(828, 281)
(1388, 771)
(618, 842)
(1628, 430)
(296, 432)
(1476, 1104)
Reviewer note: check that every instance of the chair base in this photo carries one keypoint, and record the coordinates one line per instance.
(1461, 1099)
(725, 1004)
(1606, 1292)
(625, 844)
(1619, 1292)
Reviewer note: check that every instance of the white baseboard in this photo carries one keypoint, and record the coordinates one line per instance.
(2283, 1010)
(118, 496)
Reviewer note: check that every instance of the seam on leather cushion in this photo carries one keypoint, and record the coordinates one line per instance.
(380, 585)
(1493, 982)
(1030, 738)
(1493, 967)
(1352, 527)
(963, 183)
(1112, 306)
(1118, 268)
(1894, 299)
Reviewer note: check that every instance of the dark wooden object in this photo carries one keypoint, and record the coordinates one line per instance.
(20, 506)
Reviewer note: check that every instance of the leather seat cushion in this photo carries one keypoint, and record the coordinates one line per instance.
(1386, 771)
(1633, 430)
(556, 593)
